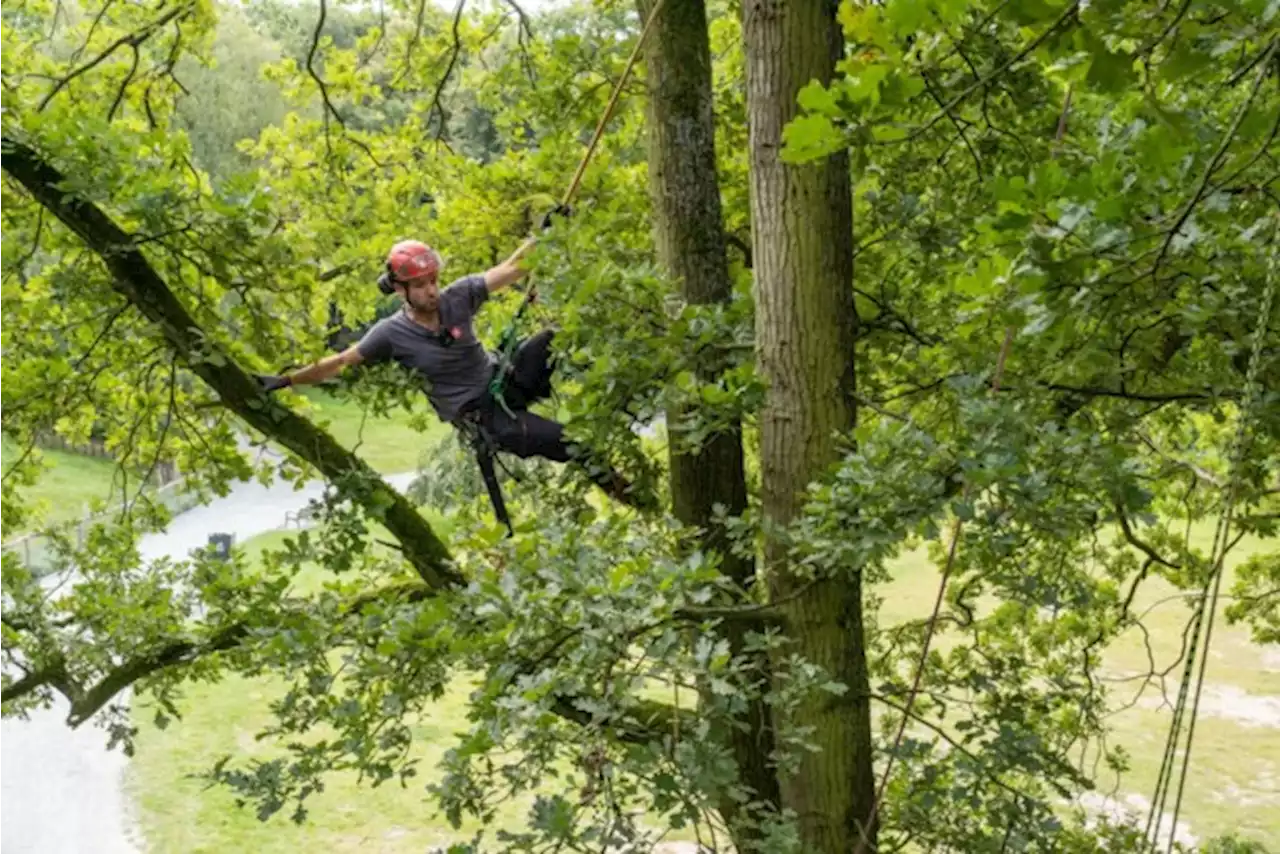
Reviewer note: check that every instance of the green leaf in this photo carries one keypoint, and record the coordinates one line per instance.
(1109, 71)
(810, 137)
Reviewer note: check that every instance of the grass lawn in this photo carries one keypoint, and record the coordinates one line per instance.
(1233, 784)
(67, 485)
(179, 814)
(390, 444)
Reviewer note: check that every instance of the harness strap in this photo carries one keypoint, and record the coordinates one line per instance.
(472, 426)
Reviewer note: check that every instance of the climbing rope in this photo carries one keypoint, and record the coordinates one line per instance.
(1209, 598)
(476, 433)
(952, 548)
(507, 342)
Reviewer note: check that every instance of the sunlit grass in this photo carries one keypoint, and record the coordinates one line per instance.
(389, 443)
(1233, 784)
(180, 813)
(64, 491)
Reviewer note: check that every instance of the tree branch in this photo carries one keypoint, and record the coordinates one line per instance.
(311, 70)
(945, 736)
(448, 71)
(649, 720)
(133, 39)
(89, 702)
(124, 84)
(136, 280)
(1216, 160)
(1138, 543)
(1172, 397)
(978, 84)
(742, 246)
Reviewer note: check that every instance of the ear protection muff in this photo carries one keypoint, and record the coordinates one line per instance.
(386, 283)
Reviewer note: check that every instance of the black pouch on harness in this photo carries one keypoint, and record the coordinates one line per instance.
(473, 426)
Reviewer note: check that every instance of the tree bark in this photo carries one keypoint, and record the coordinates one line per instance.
(802, 236)
(689, 234)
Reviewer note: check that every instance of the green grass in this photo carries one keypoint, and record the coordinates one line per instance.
(178, 813)
(65, 488)
(390, 444)
(1233, 784)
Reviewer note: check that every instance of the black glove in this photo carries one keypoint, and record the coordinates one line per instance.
(559, 210)
(272, 382)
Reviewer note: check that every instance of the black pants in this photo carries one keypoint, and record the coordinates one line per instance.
(520, 431)
(526, 434)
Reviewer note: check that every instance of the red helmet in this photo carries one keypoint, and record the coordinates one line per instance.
(410, 259)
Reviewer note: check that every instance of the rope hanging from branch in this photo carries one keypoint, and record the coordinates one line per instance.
(1208, 603)
(506, 343)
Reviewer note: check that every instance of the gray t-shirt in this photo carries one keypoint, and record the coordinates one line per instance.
(452, 362)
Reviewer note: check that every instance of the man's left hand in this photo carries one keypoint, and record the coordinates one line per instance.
(272, 382)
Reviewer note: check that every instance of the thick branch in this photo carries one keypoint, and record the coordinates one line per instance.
(136, 280)
(649, 720)
(181, 652)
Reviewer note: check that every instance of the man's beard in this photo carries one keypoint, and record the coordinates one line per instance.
(425, 304)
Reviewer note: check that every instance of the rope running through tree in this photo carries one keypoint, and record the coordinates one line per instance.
(507, 342)
(1209, 597)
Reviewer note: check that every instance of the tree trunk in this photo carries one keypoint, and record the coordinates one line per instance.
(689, 233)
(802, 234)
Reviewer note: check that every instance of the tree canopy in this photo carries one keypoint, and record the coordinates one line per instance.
(1077, 197)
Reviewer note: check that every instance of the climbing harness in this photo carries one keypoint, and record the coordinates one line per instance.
(1209, 597)
(486, 450)
(930, 626)
(476, 431)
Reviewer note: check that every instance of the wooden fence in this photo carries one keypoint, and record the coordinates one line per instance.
(164, 472)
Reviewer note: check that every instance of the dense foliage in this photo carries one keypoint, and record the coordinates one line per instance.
(1098, 181)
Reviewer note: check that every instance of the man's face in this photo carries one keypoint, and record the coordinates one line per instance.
(422, 292)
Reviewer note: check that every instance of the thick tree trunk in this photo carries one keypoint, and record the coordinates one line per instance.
(689, 233)
(802, 234)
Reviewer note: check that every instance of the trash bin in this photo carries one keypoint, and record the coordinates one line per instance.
(220, 545)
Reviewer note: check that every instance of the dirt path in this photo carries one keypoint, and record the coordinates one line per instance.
(62, 791)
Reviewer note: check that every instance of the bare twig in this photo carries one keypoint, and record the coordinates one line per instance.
(984, 81)
(955, 121)
(413, 42)
(1138, 543)
(454, 53)
(329, 108)
(524, 35)
(124, 84)
(134, 39)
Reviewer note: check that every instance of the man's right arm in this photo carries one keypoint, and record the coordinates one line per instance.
(373, 348)
(326, 368)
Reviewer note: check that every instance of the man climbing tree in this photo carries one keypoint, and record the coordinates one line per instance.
(434, 336)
